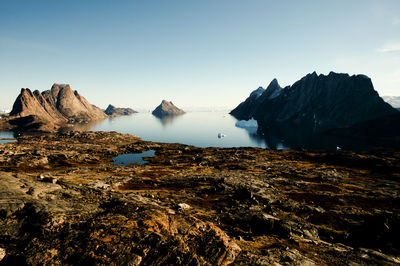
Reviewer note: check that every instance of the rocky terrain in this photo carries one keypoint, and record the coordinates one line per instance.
(118, 111)
(317, 102)
(194, 206)
(167, 109)
(50, 110)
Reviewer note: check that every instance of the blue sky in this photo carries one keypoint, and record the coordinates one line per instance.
(196, 53)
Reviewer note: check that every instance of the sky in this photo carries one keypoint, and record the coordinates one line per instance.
(198, 54)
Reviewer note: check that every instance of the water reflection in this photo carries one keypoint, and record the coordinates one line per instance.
(291, 137)
(167, 120)
(130, 158)
(84, 126)
(193, 128)
(265, 139)
(6, 137)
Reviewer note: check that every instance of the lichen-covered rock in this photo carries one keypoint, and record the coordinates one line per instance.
(247, 205)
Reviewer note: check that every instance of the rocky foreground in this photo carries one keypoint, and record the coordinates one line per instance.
(62, 201)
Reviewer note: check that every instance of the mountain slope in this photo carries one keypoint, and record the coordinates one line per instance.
(57, 106)
(319, 102)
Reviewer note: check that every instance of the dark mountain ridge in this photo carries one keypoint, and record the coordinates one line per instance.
(318, 102)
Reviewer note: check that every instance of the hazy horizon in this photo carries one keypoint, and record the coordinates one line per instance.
(196, 54)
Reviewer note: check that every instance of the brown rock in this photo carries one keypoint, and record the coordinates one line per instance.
(117, 111)
(51, 109)
(167, 109)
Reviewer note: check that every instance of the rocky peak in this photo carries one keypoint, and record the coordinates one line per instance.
(167, 108)
(273, 84)
(318, 102)
(57, 106)
(57, 86)
(257, 93)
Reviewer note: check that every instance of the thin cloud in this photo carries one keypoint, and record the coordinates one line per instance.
(390, 47)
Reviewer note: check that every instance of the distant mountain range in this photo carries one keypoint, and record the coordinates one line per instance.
(321, 103)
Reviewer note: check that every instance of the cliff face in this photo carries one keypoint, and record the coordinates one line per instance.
(116, 111)
(246, 109)
(59, 105)
(167, 109)
(318, 102)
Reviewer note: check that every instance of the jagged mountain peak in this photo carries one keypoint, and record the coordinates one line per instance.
(59, 105)
(257, 92)
(317, 101)
(273, 84)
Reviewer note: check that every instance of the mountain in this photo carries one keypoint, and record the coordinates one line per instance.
(167, 109)
(52, 108)
(317, 102)
(392, 100)
(246, 109)
(117, 111)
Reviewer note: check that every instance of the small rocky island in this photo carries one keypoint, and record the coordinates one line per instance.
(167, 108)
(113, 111)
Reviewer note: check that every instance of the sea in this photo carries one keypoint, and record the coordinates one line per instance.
(215, 129)
(201, 129)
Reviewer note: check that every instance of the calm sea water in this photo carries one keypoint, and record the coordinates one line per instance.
(194, 128)
(6, 135)
(201, 129)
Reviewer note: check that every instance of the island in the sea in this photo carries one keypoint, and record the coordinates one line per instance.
(113, 111)
(167, 108)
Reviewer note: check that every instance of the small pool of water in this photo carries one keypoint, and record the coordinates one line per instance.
(129, 158)
(6, 137)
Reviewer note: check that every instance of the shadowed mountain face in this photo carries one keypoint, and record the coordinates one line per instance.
(167, 109)
(116, 111)
(317, 102)
(57, 106)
